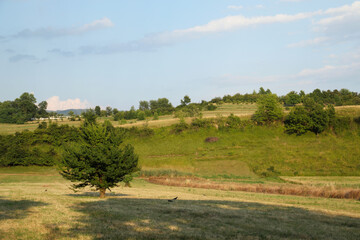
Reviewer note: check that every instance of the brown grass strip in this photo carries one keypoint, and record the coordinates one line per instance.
(325, 192)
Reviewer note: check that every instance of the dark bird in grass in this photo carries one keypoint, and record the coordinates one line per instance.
(173, 200)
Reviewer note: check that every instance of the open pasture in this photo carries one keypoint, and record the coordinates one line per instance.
(37, 204)
(264, 151)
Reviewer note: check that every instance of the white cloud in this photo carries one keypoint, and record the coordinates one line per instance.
(235, 22)
(97, 24)
(259, 6)
(310, 42)
(50, 32)
(229, 23)
(341, 23)
(54, 103)
(234, 7)
(331, 71)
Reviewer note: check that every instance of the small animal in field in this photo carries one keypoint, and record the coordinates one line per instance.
(173, 200)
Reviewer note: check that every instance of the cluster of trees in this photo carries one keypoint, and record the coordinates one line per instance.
(156, 108)
(40, 147)
(22, 109)
(309, 116)
(241, 98)
(335, 97)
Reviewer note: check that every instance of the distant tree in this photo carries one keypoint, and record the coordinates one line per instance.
(141, 115)
(298, 121)
(144, 105)
(72, 115)
(161, 106)
(130, 114)
(185, 101)
(269, 109)
(115, 111)
(292, 98)
(89, 117)
(98, 110)
(20, 110)
(42, 109)
(262, 91)
(108, 111)
(119, 116)
(310, 117)
(318, 115)
(103, 113)
(100, 160)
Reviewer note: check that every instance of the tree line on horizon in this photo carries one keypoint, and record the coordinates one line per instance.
(24, 108)
(162, 106)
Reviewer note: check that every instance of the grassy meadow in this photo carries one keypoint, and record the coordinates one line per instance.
(255, 149)
(36, 203)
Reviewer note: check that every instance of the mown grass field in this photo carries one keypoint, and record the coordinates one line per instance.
(36, 203)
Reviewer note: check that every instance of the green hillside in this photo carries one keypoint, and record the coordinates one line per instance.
(265, 151)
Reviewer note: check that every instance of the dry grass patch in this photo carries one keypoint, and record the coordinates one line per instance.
(27, 211)
(326, 192)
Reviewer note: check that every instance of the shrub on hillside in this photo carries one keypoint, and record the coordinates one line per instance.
(269, 110)
(180, 127)
(198, 123)
(310, 117)
(211, 107)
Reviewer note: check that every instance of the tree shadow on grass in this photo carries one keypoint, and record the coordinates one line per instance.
(96, 194)
(130, 218)
(16, 209)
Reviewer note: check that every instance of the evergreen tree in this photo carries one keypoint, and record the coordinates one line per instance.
(98, 110)
(99, 160)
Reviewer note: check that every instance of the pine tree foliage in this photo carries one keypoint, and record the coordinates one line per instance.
(99, 160)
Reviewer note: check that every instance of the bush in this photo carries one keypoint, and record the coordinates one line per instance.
(180, 127)
(211, 107)
(298, 121)
(141, 115)
(269, 110)
(198, 123)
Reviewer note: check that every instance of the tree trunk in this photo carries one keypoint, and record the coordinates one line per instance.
(102, 192)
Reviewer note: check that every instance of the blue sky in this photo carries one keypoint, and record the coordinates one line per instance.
(78, 54)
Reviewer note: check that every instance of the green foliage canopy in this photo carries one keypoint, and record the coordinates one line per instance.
(310, 117)
(22, 109)
(99, 160)
(269, 109)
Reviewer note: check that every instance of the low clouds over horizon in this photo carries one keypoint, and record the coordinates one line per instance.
(54, 103)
